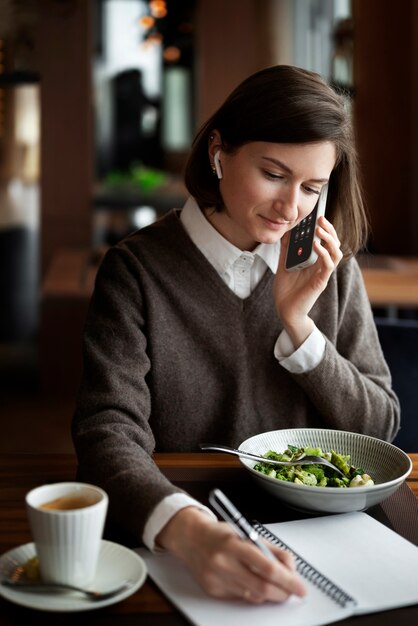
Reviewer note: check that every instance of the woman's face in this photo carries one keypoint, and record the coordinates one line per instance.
(267, 188)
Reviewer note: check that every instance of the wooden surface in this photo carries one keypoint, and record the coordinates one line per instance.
(391, 281)
(413, 478)
(19, 473)
(69, 275)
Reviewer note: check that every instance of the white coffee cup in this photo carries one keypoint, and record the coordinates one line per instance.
(68, 532)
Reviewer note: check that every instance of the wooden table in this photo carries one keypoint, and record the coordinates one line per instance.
(198, 473)
(391, 282)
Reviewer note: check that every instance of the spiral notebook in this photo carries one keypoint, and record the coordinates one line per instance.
(309, 572)
(351, 564)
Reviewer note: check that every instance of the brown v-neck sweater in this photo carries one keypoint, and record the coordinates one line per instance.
(172, 358)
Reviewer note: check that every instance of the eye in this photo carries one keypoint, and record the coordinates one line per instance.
(311, 190)
(272, 176)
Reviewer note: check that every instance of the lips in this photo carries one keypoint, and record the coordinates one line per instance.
(274, 224)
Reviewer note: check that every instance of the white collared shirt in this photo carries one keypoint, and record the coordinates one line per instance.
(241, 271)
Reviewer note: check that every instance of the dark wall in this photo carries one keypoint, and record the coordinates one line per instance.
(386, 98)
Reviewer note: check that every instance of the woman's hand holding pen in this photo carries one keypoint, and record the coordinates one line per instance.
(225, 565)
(296, 292)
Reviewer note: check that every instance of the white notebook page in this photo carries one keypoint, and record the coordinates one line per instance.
(364, 557)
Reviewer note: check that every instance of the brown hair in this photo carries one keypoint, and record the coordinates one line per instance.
(284, 104)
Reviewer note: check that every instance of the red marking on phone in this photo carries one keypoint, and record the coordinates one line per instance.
(300, 250)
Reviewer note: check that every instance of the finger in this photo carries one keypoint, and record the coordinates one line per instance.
(279, 590)
(266, 592)
(240, 565)
(256, 588)
(277, 572)
(326, 264)
(329, 227)
(327, 232)
(331, 243)
(284, 556)
(329, 236)
(331, 256)
(233, 580)
(244, 572)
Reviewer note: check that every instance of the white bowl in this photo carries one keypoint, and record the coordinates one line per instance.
(388, 465)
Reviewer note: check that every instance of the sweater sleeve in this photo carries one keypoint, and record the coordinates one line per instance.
(351, 386)
(111, 432)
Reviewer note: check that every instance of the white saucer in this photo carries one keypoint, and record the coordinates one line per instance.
(116, 564)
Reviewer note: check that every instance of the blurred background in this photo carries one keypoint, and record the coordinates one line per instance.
(99, 103)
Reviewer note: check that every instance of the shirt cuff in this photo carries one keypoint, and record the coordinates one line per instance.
(305, 358)
(162, 514)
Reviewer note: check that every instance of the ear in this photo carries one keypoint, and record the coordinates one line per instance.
(217, 163)
(215, 147)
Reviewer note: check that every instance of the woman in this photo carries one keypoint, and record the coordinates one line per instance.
(196, 331)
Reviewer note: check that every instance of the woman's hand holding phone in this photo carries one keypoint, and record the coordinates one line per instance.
(296, 292)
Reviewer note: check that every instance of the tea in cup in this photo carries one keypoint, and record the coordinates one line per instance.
(67, 521)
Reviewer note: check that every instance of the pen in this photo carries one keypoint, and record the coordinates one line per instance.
(230, 514)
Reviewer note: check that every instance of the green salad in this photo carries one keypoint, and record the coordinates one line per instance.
(314, 475)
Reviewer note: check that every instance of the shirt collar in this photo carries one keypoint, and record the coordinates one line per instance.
(218, 250)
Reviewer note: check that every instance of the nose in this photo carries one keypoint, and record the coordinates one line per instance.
(286, 204)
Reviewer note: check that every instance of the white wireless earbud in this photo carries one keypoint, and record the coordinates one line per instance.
(217, 164)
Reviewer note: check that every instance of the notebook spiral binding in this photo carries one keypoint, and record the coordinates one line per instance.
(309, 572)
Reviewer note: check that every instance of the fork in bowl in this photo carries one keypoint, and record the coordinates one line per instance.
(306, 460)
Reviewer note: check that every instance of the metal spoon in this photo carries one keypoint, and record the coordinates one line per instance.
(306, 460)
(21, 585)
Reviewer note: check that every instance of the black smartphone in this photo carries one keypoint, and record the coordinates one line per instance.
(300, 253)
